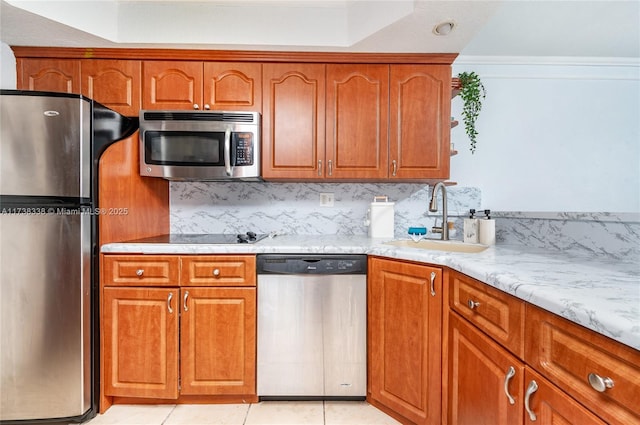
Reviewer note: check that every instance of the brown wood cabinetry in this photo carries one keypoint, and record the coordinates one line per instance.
(48, 74)
(131, 206)
(419, 122)
(218, 340)
(381, 122)
(479, 379)
(404, 328)
(326, 116)
(497, 314)
(357, 117)
(140, 353)
(568, 354)
(499, 346)
(488, 385)
(201, 85)
(293, 121)
(149, 311)
(114, 83)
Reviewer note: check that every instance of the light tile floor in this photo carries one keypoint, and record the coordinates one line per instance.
(263, 413)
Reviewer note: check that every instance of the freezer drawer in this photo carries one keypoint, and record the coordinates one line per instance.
(45, 318)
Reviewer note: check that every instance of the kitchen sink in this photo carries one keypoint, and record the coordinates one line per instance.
(438, 245)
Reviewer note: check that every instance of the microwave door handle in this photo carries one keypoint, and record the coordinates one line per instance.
(227, 152)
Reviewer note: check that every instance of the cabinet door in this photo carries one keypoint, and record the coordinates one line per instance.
(171, 85)
(141, 342)
(549, 405)
(57, 75)
(479, 383)
(218, 341)
(114, 83)
(572, 356)
(233, 86)
(357, 121)
(420, 110)
(404, 338)
(293, 122)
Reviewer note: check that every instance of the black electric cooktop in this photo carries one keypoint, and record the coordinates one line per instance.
(204, 238)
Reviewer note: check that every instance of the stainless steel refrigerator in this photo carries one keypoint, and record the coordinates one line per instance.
(50, 144)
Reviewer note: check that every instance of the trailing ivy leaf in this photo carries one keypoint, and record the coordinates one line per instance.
(472, 92)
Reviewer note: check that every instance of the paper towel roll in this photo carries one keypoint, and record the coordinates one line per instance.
(470, 230)
(487, 232)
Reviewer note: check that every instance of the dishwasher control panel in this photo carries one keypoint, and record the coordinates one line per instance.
(312, 264)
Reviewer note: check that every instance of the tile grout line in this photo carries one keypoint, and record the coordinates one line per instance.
(246, 415)
(172, 410)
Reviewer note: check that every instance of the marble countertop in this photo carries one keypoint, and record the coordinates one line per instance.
(599, 294)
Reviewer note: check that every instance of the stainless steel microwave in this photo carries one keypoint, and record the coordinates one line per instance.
(200, 145)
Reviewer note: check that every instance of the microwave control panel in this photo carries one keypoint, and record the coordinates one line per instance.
(243, 143)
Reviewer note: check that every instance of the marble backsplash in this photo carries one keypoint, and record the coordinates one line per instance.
(294, 208)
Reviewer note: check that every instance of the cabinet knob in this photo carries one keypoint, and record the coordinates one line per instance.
(216, 272)
(599, 383)
(139, 272)
(206, 106)
(196, 106)
(472, 304)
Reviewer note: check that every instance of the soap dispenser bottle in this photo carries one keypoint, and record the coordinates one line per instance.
(470, 228)
(487, 229)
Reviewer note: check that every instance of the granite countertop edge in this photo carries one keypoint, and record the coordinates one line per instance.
(598, 293)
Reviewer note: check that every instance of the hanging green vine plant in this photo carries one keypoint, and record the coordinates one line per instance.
(472, 92)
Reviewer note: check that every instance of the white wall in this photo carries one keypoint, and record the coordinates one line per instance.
(7, 67)
(554, 135)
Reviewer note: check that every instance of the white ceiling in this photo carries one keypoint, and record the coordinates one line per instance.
(482, 28)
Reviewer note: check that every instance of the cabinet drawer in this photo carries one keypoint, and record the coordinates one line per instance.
(219, 270)
(499, 315)
(566, 354)
(140, 270)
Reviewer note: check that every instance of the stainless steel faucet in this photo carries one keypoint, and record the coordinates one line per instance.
(433, 207)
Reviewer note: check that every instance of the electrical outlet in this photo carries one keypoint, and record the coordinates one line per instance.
(326, 199)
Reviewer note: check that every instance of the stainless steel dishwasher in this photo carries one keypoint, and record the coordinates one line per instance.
(312, 326)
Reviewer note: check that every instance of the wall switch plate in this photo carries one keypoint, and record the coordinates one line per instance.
(326, 199)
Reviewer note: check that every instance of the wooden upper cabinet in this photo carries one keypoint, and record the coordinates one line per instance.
(57, 75)
(420, 111)
(357, 121)
(114, 83)
(293, 122)
(172, 85)
(233, 86)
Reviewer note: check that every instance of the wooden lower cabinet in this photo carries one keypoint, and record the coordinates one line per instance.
(478, 370)
(483, 376)
(141, 342)
(217, 341)
(176, 343)
(405, 323)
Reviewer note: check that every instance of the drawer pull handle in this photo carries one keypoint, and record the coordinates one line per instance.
(433, 284)
(319, 167)
(169, 298)
(184, 302)
(599, 383)
(510, 374)
(330, 165)
(472, 304)
(532, 388)
(394, 171)
(216, 272)
(139, 272)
